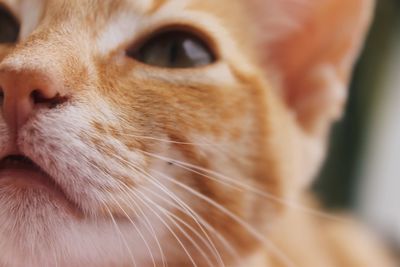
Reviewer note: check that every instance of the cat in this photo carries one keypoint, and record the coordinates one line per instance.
(174, 132)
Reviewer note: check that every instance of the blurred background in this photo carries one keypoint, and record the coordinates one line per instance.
(362, 171)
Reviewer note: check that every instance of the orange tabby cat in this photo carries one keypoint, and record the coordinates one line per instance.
(173, 132)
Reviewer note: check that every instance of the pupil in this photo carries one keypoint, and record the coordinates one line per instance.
(174, 52)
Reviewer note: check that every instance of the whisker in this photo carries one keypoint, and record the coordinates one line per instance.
(137, 229)
(165, 190)
(236, 184)
(171, 218)
(168, 141)
(268, 243)
(171, 231)
(249, 228)
(216, 146)
(187, 210)
(54, 254)
(149, 228)
(167, 226)
(221, 238)
(203, 240)
(120, 234)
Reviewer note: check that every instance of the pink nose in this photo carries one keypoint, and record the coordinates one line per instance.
(22, 92)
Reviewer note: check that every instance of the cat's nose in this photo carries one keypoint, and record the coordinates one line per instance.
(22, 92)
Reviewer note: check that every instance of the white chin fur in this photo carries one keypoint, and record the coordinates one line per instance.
(35, 230)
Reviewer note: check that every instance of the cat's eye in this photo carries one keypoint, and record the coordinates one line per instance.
(9, 27)
(174, 49)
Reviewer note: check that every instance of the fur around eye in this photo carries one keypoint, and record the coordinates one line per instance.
(173, 49)
(9, 27)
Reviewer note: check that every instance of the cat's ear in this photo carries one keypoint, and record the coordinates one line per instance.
(312, 45)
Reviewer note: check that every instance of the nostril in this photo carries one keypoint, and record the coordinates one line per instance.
(39, 98)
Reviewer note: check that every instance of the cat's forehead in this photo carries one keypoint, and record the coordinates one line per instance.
(140, 4)
(20, 7)
(115, 22)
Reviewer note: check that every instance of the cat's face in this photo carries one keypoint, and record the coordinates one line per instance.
(143, 164)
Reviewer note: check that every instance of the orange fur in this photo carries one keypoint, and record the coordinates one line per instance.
(254, 124)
